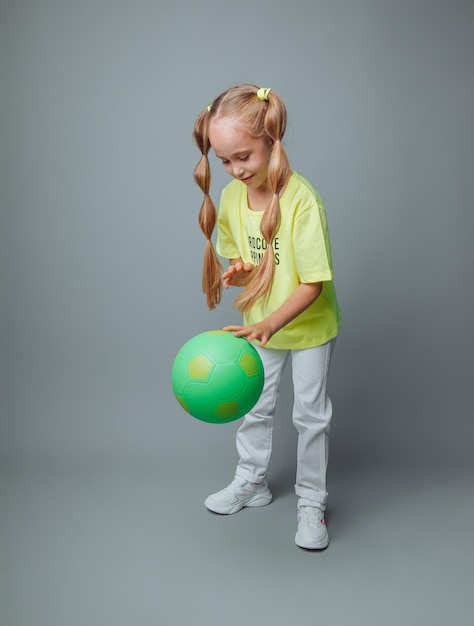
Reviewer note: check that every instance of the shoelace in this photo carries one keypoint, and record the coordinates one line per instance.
(236, 486)
(310, 515)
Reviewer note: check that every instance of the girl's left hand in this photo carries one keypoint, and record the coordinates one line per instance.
(260, 331)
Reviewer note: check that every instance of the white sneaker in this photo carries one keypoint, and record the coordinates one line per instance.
(238, 494)
(312, 533)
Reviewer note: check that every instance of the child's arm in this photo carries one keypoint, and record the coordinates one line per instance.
(304, 295)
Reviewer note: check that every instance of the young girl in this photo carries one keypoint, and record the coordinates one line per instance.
(272, 227)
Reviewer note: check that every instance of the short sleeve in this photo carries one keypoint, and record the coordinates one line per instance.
(226, 246)
(311, 245)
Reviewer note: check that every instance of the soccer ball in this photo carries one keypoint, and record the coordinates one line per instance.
(217, 377)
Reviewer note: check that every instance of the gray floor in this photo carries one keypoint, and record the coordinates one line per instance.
(130, 543)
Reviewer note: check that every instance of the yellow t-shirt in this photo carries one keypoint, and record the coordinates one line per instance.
(302, 255)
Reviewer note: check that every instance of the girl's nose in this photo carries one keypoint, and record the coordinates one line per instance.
(238, 170)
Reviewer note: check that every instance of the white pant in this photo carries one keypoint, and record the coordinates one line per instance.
(312, 412)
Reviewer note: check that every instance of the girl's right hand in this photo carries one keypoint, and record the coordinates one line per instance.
(237, 275)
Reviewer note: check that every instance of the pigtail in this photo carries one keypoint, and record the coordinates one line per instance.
(212, 268)
(278, 174)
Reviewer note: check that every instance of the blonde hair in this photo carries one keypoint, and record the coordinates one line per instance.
(261, 118)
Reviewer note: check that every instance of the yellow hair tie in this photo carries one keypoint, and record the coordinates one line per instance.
(209, 107)
(262, 93)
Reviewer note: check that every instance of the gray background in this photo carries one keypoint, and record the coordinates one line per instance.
(102, 474)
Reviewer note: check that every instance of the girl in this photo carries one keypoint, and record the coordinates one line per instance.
(272, 227)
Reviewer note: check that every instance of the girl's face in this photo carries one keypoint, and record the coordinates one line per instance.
(244, 156)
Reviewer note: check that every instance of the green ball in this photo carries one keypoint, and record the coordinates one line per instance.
(217, 377)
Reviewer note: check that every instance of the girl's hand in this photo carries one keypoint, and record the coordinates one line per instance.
(261, 331)
(237, 275)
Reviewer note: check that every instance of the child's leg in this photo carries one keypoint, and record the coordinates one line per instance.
(254, 437)
(312, 413)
